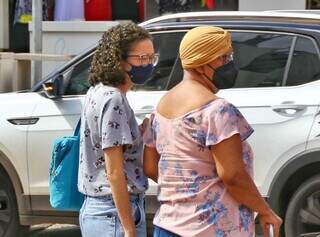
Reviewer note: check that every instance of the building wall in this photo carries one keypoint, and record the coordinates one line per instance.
(68, 38)
(251, 5)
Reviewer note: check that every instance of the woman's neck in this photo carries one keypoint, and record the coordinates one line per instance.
(195, 76)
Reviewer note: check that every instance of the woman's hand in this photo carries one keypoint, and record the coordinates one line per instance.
(143, 126)
(270, 218)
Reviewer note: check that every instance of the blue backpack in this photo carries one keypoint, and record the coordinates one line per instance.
(63, 173)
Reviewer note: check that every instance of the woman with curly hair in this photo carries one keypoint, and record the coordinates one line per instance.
(110, 172)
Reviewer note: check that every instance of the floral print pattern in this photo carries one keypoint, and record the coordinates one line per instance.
(245, 217)
(107, 121)
(213, 209)
(194, 200)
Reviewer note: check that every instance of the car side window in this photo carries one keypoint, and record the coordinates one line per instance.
(305, 63)
(261, 58)
(167, 45)
(78, 83)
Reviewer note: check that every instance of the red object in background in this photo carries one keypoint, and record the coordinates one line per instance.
(210, 4)
(141, 10)
(97, 10)
(50, 13)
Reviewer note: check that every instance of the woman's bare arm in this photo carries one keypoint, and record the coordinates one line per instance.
(231, 169)
(117, 180)
(150, 162)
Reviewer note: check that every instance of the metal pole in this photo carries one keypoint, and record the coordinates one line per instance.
(4, 25)
(36, 40)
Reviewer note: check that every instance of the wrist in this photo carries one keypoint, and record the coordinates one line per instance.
(266, 211)
(129, 230)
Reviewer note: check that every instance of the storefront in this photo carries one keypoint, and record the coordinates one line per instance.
(14, 33)
(313, 4)
(264, 5)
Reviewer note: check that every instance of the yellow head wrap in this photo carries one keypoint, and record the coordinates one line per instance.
(202, 45)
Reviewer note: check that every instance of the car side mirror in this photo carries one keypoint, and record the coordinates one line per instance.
(53, 87)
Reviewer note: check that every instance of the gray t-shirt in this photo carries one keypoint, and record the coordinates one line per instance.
(107, 121)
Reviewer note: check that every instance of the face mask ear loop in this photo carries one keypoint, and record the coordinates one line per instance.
(214, 71)
(206, 81)
(128, 71)
(208, 78)
(212, 68)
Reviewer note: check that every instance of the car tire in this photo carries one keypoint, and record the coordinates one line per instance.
(303, 213)
(9, 220)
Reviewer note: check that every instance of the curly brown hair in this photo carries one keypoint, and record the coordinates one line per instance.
(114, 47)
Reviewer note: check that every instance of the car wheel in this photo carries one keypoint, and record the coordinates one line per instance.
(303, 213)
(9, 222)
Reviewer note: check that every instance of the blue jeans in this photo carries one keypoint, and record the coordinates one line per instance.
(98, 217)
(159, 232)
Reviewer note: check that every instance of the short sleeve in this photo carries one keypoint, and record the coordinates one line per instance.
(149, 136)
(115, 130)
(224, 121)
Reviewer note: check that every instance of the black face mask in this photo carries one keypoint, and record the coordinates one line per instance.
(224, 77)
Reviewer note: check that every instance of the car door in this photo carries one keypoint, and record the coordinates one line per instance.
(56, 118)
(280, 113)
(307, 56)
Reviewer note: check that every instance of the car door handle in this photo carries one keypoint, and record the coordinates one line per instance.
(289, 110)
(23, 121)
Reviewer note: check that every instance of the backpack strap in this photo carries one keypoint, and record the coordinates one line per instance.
(77, 131)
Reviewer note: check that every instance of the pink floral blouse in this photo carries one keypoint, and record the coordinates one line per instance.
(194, 200)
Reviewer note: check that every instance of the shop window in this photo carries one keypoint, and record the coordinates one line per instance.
(218, 5)
(261, 58)
(305, 63)
(313, 4)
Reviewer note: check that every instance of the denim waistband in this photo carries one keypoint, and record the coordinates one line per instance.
(132, 197)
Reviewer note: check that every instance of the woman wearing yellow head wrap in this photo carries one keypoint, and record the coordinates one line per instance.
(196, 149)
(209, 46)
(202, 45)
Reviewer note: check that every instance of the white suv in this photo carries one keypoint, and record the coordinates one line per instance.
(277, 90)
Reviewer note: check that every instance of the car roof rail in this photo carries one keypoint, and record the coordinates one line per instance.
(294, 17)
(309, 11)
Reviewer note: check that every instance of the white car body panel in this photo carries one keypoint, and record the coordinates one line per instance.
(13, 138)
(314, 138)
(277, 138)
(57, 118)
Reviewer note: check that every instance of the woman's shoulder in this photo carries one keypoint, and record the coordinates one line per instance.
(109, 93)
(103, 95)
(213, 105)
(221, 107)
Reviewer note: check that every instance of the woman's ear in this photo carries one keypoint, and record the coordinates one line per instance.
(125, 66)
